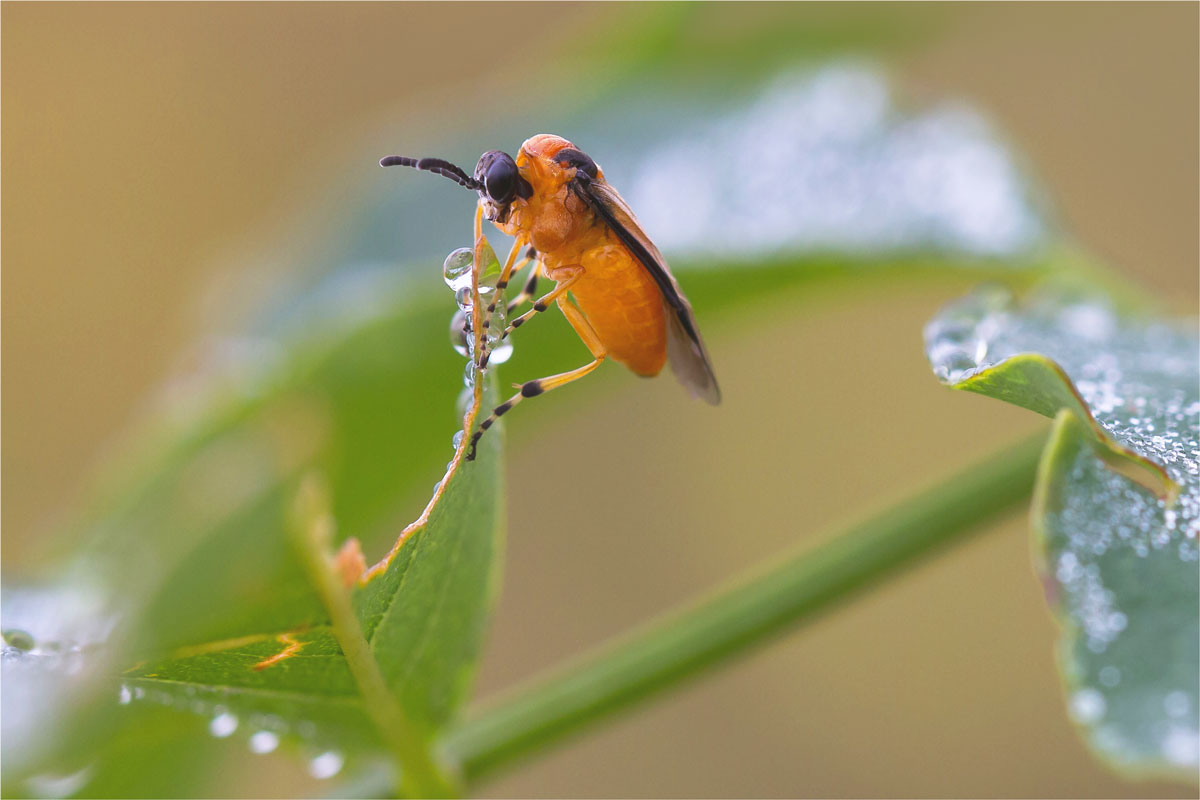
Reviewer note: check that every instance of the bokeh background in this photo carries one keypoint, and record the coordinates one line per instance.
(165, 167)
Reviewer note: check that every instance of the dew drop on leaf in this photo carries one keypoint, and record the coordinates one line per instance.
(459, 332)
(487, 284)
(464, 401)
(326, 765)
(223, 725)
(263, 742)
(55, 785)
(457, 268)
(462, 296)
(501, 352)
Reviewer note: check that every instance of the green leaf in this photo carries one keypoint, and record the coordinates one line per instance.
(209, 595)
(1117, 508)
(423, 618)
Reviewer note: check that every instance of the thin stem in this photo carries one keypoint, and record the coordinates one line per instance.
(659, 655)
(311, 529)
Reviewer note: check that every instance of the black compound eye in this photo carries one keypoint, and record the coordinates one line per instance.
(500, 180)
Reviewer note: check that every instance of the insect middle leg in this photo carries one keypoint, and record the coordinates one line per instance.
(542, 385)
(527, 291)
(543, 303)
(506, 272)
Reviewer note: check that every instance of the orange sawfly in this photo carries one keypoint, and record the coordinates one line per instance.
(580, 233)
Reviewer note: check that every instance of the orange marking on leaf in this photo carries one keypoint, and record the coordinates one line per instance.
(380, 567)
(292, 646)
(350, 562)
(214, 647)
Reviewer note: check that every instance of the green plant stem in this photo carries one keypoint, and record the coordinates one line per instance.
(311, 529)
(681, 644)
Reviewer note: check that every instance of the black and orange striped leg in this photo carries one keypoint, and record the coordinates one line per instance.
(543, 385)
(506, 273)
(543, 303)
(526, 291)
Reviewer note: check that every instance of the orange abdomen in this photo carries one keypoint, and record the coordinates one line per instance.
(624, 305)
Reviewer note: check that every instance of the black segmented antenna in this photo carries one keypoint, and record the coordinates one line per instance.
(443, 168)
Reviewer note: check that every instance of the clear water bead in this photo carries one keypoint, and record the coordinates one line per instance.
(457, 268)
(462, 296)
(457, 439)
(263, 742)
(460, 332)
(499, 350)
(465, 397)
(500, 353)
(326, 765)
(223, 725)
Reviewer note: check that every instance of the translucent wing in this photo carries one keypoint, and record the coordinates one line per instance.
(685, 349)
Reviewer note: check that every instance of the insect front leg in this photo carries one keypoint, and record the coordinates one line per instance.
(506, 272)
(542, 385)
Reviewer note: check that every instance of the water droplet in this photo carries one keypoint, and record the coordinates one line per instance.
(456, 440)
(125, 696)
(326, 765)
(1176, 704)
(18, 639)
(500, 353)
(487, 284)
(464, 401)
(462, 296)
(460, 332)
(457, 268)
(223, 724)
(1110, 676)
(52, 785)
(138, 693)
(469, 375)
(1087, 706)
(263, 742)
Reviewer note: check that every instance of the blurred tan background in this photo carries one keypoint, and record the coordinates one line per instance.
(151, 148)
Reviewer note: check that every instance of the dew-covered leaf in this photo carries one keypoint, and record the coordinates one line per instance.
(350, 374)
(1117, 510)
